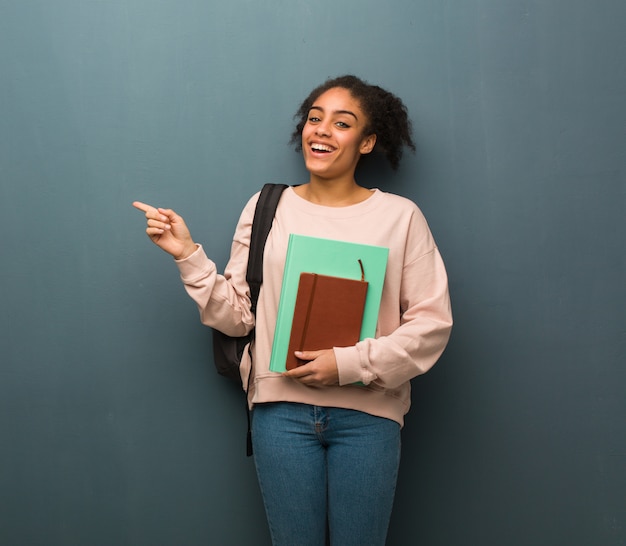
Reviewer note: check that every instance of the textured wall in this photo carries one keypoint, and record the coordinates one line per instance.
(115, 429)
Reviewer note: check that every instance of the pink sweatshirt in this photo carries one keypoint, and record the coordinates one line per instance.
(415, 317)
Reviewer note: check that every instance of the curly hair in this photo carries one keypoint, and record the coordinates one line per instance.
(387, 116)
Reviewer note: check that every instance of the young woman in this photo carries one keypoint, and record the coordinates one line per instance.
(326, 435)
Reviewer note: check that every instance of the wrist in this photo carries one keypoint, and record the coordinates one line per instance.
(187, 251)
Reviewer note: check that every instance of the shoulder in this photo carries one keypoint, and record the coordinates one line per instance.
(244, 224)
(252, 201)
(401, 206)
(247, 213)
(398, 200)
(270, 192)
(246, 217)
(418, 238)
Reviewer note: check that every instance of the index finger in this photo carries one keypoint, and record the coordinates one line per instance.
(142, 206)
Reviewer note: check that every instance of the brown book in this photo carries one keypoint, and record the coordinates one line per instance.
(328, 313)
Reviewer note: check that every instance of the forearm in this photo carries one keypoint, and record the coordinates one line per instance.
(222, 303)
(410, 344)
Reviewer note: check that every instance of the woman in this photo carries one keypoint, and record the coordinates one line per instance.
(326, 435)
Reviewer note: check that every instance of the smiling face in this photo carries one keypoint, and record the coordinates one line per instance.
(333, 137)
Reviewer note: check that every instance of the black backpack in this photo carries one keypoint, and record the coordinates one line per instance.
(227, 350)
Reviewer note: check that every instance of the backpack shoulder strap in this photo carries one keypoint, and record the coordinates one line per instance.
(261, 226)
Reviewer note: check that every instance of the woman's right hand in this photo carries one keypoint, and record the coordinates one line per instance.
(168, 231)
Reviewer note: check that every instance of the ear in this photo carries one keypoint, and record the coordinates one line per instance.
(367, 144)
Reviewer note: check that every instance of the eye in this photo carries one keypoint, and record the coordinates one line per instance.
(342, 125)
(314, 119)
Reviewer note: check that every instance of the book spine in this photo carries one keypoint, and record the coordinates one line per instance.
(301, 345)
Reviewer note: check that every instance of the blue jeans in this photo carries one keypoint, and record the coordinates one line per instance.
(320, 467)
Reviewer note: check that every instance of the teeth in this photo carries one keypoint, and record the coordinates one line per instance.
(321, 148)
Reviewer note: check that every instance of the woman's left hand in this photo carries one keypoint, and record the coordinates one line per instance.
(319, 371)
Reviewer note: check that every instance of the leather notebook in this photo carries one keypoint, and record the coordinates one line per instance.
(328, 313)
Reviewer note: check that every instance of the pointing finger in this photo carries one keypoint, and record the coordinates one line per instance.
(142, 206)
(152, 212)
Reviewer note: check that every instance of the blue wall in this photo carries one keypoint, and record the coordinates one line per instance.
(114, 427)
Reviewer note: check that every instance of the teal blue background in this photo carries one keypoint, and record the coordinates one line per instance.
(115, 428)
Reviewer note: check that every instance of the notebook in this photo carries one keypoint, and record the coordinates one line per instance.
(328, 313)
(329, 258)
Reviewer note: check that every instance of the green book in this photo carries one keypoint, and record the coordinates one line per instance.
(327, 257)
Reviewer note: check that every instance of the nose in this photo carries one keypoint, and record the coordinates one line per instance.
(322, 128)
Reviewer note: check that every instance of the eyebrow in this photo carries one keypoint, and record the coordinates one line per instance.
(336, 111)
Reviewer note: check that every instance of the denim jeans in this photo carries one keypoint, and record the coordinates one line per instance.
(320, 467)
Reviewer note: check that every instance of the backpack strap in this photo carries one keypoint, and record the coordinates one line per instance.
(261, 226)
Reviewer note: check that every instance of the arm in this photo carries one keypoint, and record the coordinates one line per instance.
(223, 300)
(410, 350)
(417, 343)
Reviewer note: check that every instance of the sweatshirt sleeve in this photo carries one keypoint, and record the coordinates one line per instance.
(410, 346)
(223, 300)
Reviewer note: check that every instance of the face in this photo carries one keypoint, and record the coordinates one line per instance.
(333, 138)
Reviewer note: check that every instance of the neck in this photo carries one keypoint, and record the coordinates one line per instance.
(333, 193)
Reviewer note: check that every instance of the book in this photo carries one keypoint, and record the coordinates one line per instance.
(332, 258)
(328, 313)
